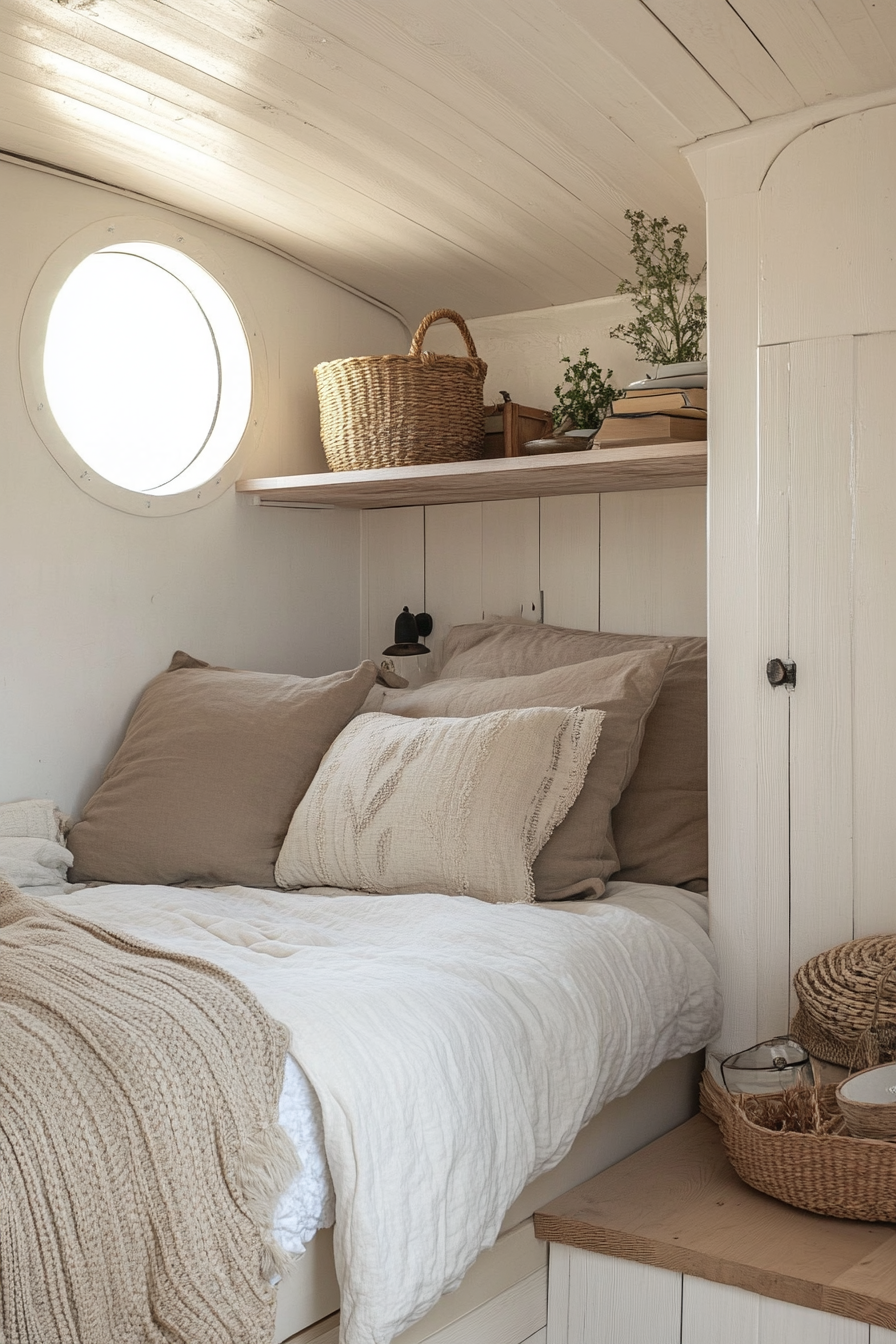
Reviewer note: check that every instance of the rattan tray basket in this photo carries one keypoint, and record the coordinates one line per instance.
(824, 1172)
(403, 410)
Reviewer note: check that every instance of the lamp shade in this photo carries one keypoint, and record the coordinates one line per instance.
(408, 629)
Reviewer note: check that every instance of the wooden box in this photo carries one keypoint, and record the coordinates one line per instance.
(509, 425)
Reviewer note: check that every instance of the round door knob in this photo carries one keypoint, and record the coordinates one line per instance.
(780, 672)
(775, 671)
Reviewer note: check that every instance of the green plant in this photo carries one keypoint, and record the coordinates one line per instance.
(584, 395)
(671, 313)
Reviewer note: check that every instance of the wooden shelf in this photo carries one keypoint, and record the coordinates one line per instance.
(646, 467)
(678, 1204)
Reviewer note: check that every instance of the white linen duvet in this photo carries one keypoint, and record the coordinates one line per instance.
(451, 1049)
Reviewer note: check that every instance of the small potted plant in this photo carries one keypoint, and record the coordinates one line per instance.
(583, 397)
(670, 311)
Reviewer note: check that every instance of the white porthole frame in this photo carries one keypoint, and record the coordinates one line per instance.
(51, 278)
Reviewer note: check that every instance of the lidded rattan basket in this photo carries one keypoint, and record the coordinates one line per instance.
(403, 410)
(847, 998)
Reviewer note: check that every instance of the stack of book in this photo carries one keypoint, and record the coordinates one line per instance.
(658, 410)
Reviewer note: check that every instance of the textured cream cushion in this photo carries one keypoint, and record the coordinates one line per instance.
(660, 825)
(580, 855)
(210, 771)
(460, 806)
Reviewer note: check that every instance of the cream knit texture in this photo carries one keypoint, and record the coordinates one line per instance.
(140, 1158)
(459, 806)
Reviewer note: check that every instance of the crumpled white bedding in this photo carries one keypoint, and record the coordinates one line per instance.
(309, 1202)
(455, 1048)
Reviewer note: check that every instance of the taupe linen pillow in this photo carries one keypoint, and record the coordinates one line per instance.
(580, 855)
(454, 805)
(211, 769)
(660, 824)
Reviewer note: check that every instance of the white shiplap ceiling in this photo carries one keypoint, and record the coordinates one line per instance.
(473, 153)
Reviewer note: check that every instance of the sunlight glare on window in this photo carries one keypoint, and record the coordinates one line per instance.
(134, 371)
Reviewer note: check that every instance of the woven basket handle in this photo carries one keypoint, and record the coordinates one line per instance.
(881, 985)
(866, 1043)
(434, 316)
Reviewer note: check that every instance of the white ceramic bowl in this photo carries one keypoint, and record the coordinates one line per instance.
(868, 1102)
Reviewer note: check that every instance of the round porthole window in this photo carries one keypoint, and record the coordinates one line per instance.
(142, 372)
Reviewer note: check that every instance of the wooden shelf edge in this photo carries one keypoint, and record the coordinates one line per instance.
(660, 466)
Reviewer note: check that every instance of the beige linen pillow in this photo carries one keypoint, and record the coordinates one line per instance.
(210, 771)
(660, 824)
(580, 855)
(460, 806)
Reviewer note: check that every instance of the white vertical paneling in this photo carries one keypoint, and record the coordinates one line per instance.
(880, 1335)
(874, 648)
(773, 811)
(821, 383)
(613, 1301)
(733, 644)
(570, 560)
(558, 1293)
(510, 583)
(653, 562)
(469, 562)
(715, 1312)
(392, 547)
(453, 569)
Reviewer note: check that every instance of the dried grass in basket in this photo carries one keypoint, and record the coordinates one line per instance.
(403, 410)
(847, 997)
(787, 1145)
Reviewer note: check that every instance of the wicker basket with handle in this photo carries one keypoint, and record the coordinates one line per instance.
(787, 1146)
(403, 410)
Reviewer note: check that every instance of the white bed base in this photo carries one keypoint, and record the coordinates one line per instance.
(503, 1298)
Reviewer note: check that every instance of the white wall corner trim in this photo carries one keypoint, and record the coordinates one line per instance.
(737, 161)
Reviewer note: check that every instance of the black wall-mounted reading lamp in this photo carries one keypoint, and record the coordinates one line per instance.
(408, 632)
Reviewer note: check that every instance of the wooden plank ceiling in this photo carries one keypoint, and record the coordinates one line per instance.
(478, 154)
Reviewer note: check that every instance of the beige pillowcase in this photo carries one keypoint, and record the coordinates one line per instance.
(660, 824)
(454, 805)
(580, 855)
(211, 769)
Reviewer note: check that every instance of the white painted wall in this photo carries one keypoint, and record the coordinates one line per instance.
(93, 601)
(523, 350)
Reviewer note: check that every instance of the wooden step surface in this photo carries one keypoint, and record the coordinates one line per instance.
(678, 1204)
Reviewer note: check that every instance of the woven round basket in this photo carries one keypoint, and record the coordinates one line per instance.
(403, 410)
(824, 1172)
(847, 998)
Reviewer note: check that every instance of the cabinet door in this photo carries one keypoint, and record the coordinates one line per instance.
(827, 589)
(715, 1312)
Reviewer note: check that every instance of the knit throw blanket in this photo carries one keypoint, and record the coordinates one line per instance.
(140, 1158)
